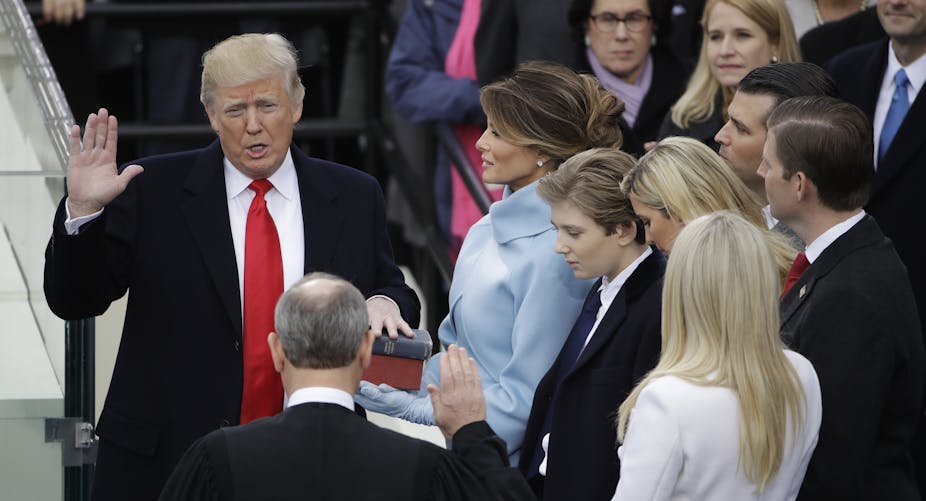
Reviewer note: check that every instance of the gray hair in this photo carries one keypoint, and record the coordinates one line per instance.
(321, 322)
(246, 58)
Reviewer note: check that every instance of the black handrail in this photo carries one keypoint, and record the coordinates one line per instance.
(449, 142)
(306, 128)
(79, 400)
(395, 160)
(166, 10)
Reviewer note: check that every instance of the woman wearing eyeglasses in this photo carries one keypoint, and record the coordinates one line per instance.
(623, 46)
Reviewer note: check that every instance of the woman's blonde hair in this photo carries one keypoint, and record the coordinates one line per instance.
(698, 101)
(246, 58)
(720, 328)
(554, 110)
(591, 181)
(684, 179)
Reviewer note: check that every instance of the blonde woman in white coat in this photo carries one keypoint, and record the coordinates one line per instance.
(728, 412)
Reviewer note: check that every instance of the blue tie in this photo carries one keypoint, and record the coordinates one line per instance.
(900, 103)
(576, 340)
(568, 356)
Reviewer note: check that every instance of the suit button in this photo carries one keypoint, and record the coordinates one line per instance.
(224, 423)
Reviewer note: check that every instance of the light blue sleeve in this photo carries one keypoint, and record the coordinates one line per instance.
(534, 305)
(478, 236)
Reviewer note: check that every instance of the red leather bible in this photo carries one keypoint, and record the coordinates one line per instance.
(399, 362)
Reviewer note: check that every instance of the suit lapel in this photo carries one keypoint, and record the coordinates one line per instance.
(321, 215)
(864, 233)
(866, 90)
(797, 295)
(908, 140)
(607, 328)
(206, 212)
(610, 324)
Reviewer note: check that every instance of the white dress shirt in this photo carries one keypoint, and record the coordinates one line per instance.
(321, 394)
(609, 290)
(916, 74)
(770, 220)
(813, 251)
(285, 206)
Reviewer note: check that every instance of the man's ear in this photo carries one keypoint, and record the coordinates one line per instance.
(297, 112)
(626, 233)
(365, 353)
(802, 185)
(276, 351)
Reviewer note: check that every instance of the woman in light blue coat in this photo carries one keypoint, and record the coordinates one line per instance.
(513, 300)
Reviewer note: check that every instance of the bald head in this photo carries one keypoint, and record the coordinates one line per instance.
(321, 322)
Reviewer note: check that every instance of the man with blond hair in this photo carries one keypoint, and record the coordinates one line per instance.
(206, 241)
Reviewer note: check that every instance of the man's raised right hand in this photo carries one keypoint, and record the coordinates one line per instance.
(93, 177)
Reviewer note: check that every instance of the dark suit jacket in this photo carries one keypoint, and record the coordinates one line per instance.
(167, 239)
(324, 451)
(703, 131)
(669, 80)
(511, 32)
(898, 184)
(826, 41)
(582, 461)
(852, 315)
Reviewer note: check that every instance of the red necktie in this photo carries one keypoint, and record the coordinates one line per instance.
(263, 284)
(797, 269)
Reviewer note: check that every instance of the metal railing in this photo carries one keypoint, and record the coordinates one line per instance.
(79, 335)
(214, 9)
(55, 110)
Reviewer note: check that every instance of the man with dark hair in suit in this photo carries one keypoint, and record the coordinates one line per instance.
(885, 79)
(319, 448)
(206, 241)
(741, 139)
(847, 305)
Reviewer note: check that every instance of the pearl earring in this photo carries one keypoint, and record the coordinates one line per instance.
(539, 164)
(588, 41)
(774, 59)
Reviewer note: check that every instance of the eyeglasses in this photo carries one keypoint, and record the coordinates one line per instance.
(607, 22)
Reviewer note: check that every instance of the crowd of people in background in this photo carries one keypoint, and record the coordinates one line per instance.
(699, 278)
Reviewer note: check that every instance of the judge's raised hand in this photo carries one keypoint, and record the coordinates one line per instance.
(459, 401)
(93, 178)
